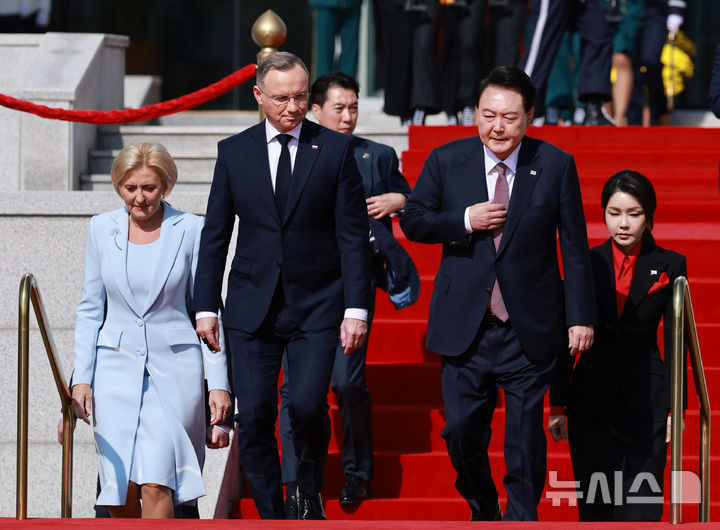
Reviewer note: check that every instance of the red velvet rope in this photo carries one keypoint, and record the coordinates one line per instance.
(147, 112)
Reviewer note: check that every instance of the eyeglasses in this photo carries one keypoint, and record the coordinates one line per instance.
(282, 101)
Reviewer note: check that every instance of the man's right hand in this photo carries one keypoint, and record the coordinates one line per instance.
(208, 330)
(487, 215)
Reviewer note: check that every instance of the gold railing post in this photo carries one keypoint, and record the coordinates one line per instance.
(29, 292)
(676, 402)
(22, 396)
(684, 317)
(269, 32)
(698, 371)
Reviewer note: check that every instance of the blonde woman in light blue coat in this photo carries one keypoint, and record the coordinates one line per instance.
(139, 366)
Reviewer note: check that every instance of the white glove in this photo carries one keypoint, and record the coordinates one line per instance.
(556, 427)
(674, 22)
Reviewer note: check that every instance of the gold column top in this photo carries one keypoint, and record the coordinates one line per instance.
(269, 32)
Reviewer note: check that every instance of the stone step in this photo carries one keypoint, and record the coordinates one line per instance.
(101, 182)
(45, 472)
(192, 166)
(178, 139)
(44, 479)
(193, 146)
(203, 139)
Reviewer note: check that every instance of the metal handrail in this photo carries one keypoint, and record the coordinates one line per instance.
(683, 315)
(29, 292)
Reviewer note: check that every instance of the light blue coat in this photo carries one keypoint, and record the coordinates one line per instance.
(116, 339)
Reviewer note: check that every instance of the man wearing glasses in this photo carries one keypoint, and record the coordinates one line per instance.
(299, 280)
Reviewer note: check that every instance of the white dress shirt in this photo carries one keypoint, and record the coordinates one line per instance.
(491, 176)
(274, 149)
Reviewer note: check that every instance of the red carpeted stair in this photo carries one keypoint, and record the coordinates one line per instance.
(413, 476)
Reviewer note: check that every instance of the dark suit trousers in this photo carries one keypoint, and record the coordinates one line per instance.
(256, 362)
(348, 384)
(461, 65)
(470, 384)
(507, 23)
(650, 42)
(329, 22)
(409, 59)
(589, 20)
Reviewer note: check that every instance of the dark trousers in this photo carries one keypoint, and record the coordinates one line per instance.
(409, 45)
(460, 55)
(623, 445)
(470, 384)
(546, 32)
(329, 22)
(507, 23)
(348, 384)
(648, 82)
(256, 363)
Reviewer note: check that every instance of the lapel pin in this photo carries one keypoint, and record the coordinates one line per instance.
(115, 232)
(532, 172)
(315, 146)
(366, 155)
(653, 272)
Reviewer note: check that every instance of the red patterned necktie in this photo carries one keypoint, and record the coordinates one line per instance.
(502, 196)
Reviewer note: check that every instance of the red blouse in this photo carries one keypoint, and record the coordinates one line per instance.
(624, 270)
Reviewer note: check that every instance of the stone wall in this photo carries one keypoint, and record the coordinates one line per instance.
(64, 70)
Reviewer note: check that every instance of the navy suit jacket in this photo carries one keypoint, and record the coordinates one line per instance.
(395, 272)
(379, 167)
(625, 357)
(545, 202)
(320, 247)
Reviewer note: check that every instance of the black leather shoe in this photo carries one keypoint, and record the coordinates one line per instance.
(291, 504)
(354, 491)
(595, 114)
(475, 516)
(310, 507)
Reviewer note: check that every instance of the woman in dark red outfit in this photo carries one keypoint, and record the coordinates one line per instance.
(617, 397)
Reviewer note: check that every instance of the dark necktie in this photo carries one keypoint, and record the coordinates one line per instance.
(502, 196)
(282, 177)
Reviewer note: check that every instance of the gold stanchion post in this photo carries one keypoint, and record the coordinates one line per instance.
(269, 32)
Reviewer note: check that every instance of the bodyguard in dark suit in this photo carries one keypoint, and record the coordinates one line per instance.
(301, 260)
(500, 312)
(617, 398)
(334, 100)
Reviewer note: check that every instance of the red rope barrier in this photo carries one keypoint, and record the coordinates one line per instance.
(147, 112)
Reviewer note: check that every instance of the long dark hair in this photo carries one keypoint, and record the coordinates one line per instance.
(635, 184)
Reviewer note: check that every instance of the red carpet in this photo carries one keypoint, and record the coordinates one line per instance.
(413, 477)
(147, 524)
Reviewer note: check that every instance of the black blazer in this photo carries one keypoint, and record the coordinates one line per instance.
(545, 201)
(625, 357)
(320, 247)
